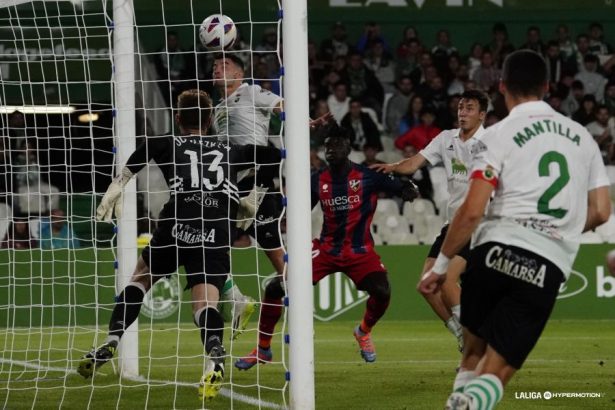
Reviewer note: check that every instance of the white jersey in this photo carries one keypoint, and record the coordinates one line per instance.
(249, 109)
(456, 155)
(544, 165)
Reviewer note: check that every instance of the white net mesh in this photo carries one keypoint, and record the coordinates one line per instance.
(57, 264)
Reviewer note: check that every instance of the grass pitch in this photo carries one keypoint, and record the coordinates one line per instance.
(414, 370)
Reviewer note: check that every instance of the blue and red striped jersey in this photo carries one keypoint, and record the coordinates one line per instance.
(348, 201)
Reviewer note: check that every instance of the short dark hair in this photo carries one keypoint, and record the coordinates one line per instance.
(524, 73)
(590, 58)
(194, 108)
(602, 107)
(478, 95)
(230, 56)
(333, 130)
(355, 100)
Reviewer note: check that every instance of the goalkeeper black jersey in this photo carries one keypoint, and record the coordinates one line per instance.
(202, 175)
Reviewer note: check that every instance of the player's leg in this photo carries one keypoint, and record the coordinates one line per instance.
(376, 284)
(205, 279)
(451, 295)
(270, 314)
(125, 312)
(236, 307)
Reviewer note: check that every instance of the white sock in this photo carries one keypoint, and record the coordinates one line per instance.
(233, 293)
(462, 378)
(486, 391)
(456, 310)
(454, 327)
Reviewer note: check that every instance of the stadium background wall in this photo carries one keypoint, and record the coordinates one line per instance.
(69, 290)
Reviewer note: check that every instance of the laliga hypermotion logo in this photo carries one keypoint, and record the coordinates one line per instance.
(162, 300)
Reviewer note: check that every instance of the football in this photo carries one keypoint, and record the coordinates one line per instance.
(217, 32)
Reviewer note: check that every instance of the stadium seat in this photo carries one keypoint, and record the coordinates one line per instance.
(387, 206)
(391, 156)
(433, 225)
(391, 225)
(591, 237)
(402, 238)
(388, 144)
(385, 107)
(419, 207)
(440, 188)
(610, 171)
(377, 239)
(317, 218)
(356, 156)
(607, 230)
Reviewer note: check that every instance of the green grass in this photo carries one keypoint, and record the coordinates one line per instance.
(414, 370)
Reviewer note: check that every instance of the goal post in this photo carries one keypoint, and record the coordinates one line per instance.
(124, 101)
(299, 282)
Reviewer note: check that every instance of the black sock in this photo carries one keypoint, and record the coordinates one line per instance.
(126, 310)
(212, 328)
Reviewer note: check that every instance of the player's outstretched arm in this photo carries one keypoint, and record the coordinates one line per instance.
(112, 200)
(405, 167)
(598, 207)
(322, 120)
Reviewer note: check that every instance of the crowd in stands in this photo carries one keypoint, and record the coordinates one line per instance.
(30, 216)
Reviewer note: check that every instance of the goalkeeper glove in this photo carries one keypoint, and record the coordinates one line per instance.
(113, 197)
(410, 191)
(248, 205)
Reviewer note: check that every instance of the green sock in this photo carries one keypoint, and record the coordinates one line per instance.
(486, 391)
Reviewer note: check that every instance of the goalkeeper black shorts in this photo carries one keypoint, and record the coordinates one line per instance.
(266, 230)
(437, 245)
(507, 295)
(165, 254)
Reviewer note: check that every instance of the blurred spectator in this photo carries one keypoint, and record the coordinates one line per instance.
(320, 108)
(421, 176)
(609, 97)
(593, 82)
(574, 99)
(487, 75)
(581, 50)
(534, 41)
(412, 118)
(336, 45)
(442, 50)
(17, 131)
(422, 134)
(449, 72)
(370, 151)
(587, 111)
(56, 233)
(600, 130)
(447, 119)
(566, 45)
(34, 196)
(555, 61)
(398, 104)
(381, 63)
(410, 39)
(410, 60)
(457, 85)
(316, 163)
(171, 64)
(361, 128)
(339, 101)
(327, 85)
(6, 187)
(363, 84)
(500, 46)
(371, 34)
(491, 119)
(267, 51)
(18, 236)
(555, 101)
(597, 45)
(418, 75)
(435, 94)
(316, 65)
(475, 58)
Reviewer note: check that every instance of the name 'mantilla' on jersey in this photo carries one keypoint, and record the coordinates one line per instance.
(201, 172)
(348, 201)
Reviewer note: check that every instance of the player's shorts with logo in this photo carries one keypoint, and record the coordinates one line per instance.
(437, 245)
(507, 295)
(165, 253)
(266, 228)
(356, 266)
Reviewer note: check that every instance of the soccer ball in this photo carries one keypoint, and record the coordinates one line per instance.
(217, 32)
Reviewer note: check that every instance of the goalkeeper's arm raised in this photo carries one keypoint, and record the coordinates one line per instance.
(112, 200)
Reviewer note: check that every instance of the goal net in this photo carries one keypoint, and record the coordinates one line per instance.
(60, 148)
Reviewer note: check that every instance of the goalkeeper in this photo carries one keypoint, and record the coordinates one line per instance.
(194, 230)
(348, 194)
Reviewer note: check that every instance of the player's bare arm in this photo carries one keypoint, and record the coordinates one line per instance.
(406, 167)
(598, 208)
(463, 224)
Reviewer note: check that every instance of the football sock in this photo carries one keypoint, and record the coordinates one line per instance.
(456, 310)
(126, 310)
(364, 328)
(486, 391)
(453, 326)
(376, 306)
(230, 291)
(211, 324)
(271, 311)
(462, 378)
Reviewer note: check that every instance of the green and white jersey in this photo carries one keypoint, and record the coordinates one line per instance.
(542, 164)
(455, 154)
(244, 115)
